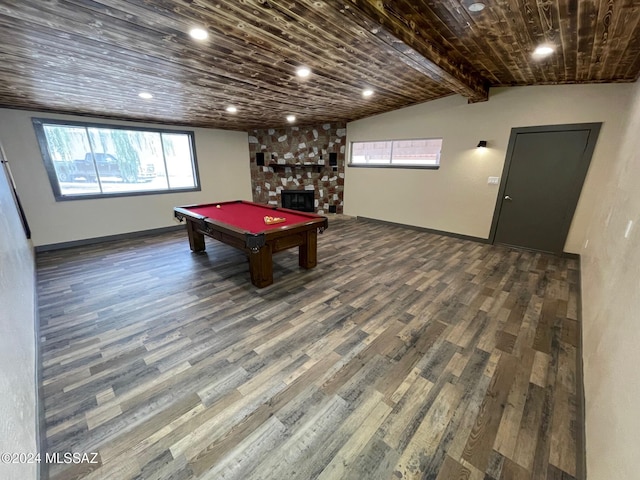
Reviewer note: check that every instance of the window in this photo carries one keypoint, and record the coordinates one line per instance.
(86, 160)
(418, 153)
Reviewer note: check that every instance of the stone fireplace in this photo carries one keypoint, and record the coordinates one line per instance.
(299, 159)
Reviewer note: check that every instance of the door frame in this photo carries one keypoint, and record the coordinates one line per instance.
(576, 188)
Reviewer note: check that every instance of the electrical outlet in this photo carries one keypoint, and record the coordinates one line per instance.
(493, 180)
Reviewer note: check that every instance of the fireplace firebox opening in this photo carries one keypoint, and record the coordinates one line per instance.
(302, 200)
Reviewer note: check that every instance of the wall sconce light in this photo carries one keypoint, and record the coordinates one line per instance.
(482, 144)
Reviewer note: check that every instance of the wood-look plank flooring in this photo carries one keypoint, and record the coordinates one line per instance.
(402, 355)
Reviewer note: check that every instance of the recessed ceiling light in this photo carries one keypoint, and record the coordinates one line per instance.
(543, 51)
(231, 109)
(145, 95)
(476, 7)
(303, 72)
(367, 92)
(198, 33)
(291, 118)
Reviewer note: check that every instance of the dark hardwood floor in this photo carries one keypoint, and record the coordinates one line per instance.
(402, 355)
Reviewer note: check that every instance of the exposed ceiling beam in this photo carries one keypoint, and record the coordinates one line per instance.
(379, 19)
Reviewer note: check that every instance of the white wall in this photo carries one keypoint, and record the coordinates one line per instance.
(456, 198)
(17, 340)
(611, 313)
(223, 161)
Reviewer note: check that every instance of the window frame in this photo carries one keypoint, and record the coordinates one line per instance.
(39, 123)
(391, 165)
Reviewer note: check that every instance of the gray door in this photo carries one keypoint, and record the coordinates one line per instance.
(541, 183)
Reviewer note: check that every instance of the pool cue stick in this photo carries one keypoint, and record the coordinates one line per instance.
(12, 183)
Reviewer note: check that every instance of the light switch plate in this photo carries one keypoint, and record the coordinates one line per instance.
(493, 180)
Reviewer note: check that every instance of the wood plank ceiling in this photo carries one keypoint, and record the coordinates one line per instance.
(94, 57)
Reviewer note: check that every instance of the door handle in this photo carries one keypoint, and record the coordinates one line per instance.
(507, 197)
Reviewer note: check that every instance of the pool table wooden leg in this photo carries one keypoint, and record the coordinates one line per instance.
(308, 251)
(261, 266)
(196, 239)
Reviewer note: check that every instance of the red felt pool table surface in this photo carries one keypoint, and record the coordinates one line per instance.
(247, 216)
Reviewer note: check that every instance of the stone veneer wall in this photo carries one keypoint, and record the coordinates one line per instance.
(293, 149)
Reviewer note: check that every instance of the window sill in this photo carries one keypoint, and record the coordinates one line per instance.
(408, 167)
(89, 196)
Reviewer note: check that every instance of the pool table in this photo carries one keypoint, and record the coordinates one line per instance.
(242, 224)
